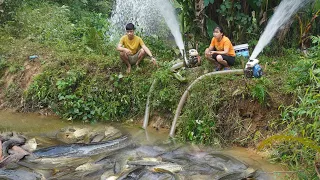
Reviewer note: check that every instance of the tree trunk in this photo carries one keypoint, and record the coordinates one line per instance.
(199, 13)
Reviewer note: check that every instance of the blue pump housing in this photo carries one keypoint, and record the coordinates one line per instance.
(257, 71)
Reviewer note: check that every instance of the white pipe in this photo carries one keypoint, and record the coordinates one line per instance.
(176, 66)
(185, 95)
(146, 113)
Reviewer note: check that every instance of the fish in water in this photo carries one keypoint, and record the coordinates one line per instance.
(146, 162)
(168, 167)
(125, 173)
(72, 155)
(87, 135)
(57, 163)
(81, 150)
(0, 150)
(249, 172)
(19, 174)
(91, 167)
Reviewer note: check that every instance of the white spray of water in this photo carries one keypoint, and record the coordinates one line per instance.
(149, 16)
(282, 14)
(168, 12)
(142, 13)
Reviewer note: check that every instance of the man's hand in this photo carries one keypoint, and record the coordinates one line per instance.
(154, 61)
(127, 51)
(207, 52)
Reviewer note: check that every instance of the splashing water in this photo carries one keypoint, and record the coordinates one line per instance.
(142, 13)
(168, 12)
(282, 14)
(149, 16)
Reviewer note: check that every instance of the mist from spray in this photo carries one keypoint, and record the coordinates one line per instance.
(168, 12)
(282, 14)
(142, 13)
(151, 17)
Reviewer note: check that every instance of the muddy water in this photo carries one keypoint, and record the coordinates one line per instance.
(33, 124)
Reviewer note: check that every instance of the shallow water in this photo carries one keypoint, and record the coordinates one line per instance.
(33, 125)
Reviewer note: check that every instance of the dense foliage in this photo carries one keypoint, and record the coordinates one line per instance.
(244, 21)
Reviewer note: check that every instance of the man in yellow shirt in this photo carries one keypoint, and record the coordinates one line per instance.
(220, 51)
(132, 48)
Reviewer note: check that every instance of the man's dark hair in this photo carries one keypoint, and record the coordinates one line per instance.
(129, 26)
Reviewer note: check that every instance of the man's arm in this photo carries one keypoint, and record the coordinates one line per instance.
(225, 51)
(210, 48)
(226, 48)
(122, 49)
(147, 50)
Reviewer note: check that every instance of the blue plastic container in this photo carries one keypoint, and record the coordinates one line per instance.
(242, 50)
(31, 58)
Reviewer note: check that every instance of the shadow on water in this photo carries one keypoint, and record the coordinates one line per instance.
(149, 155)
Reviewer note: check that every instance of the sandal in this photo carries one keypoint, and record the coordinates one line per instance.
(218, 68)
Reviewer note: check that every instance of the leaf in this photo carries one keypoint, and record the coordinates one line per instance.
(76, 110)
(210, 25)
(316, 71)
(206, 2)
(253, 5)
(317, 5)
(223, 8)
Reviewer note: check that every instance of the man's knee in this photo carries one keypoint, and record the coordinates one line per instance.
(142, 53)
(124, 56)
(219, 58)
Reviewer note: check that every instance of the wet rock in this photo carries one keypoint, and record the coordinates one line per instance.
(30, 145)
(98, 138)
(16, 154)
(8, 142)
(72, 134)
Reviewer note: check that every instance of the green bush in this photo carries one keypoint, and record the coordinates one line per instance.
(315, 49)
(46, 23)
(80, 94)
(9, 8)
(3, 65)
(301, 119)
(259, 89)
(198, 122)
(78, 7)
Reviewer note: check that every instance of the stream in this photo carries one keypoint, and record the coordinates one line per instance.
(143, 155)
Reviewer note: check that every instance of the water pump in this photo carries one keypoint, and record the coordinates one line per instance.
(253, 69)
(193, 59)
